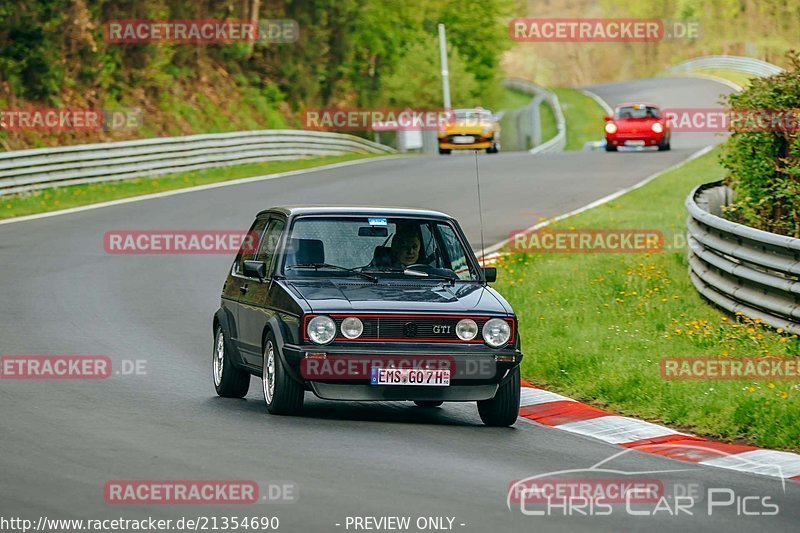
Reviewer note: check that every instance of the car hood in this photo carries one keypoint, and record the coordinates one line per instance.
(327, 296)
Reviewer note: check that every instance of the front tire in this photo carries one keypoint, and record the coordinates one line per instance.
(664, 147)
(282, 394)
(229, 381)
(611, 148)
(444, 151)
(503, 409)
(494, 148)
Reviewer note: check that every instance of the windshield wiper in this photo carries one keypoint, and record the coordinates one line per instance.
(317, 266)
(430, 274)
(418, 273)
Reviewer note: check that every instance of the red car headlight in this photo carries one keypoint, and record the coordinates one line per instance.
(657, 127)
(611, 128)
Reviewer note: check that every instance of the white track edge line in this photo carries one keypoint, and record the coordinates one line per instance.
(197, 188)
(604, 200)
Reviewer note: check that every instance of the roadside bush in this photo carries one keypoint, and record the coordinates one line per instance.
(763, 167)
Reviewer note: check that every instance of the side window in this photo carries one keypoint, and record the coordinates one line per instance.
(247, 251)
(266, 251)
(455, 252)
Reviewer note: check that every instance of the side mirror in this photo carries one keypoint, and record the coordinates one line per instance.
(490, 274)
(255, 269)
(607, 118)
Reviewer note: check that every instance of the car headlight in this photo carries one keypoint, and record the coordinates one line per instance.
(657, 127)
(496, 332)
(611, 128)
(466, 329)
(352, 327)
(321, 329)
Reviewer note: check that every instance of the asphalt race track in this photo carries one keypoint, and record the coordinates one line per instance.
(62, 294)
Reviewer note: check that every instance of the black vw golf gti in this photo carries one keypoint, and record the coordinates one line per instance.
(365, 304)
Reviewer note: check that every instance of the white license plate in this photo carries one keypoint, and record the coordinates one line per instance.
(634, 143)
(463, 139)
(410, 376)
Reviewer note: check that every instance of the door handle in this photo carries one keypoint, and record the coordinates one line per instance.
(243, 289)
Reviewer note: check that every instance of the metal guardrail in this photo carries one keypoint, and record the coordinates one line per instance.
(26, 170)
(559, 141)
(740, 268)
(748, 65)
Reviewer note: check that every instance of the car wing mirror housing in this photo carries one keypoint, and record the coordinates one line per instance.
(490, 274)
(255, 269)
(607, 118)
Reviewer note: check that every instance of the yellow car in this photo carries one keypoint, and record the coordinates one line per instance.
(470, 129)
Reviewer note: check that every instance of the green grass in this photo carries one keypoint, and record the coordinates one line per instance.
(595, 326)
(548, 120)
(583, 115)
(77, 195)
(513, 101)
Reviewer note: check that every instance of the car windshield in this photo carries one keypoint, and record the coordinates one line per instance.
(637, 111)
(383, 247)
(472, 115)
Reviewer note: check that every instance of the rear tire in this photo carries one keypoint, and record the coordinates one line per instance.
(282, 394)
(428, 403)
(229, 381)
(503, 409)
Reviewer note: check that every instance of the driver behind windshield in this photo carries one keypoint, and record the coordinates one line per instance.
(405, 246)
(404, 251)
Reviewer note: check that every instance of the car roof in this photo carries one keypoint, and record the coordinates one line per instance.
(473, 110)
(631, 104)
(300, 210)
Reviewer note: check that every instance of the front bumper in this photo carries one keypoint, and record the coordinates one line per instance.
(384, 393)
(649, 139)
(476, 371)
(480, 141)
(471, 146)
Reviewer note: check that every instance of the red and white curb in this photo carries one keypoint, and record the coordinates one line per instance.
(559, 412)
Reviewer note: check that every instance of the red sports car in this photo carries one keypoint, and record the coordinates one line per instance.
(637, 125)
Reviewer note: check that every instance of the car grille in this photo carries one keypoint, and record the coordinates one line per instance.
(410, 328)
